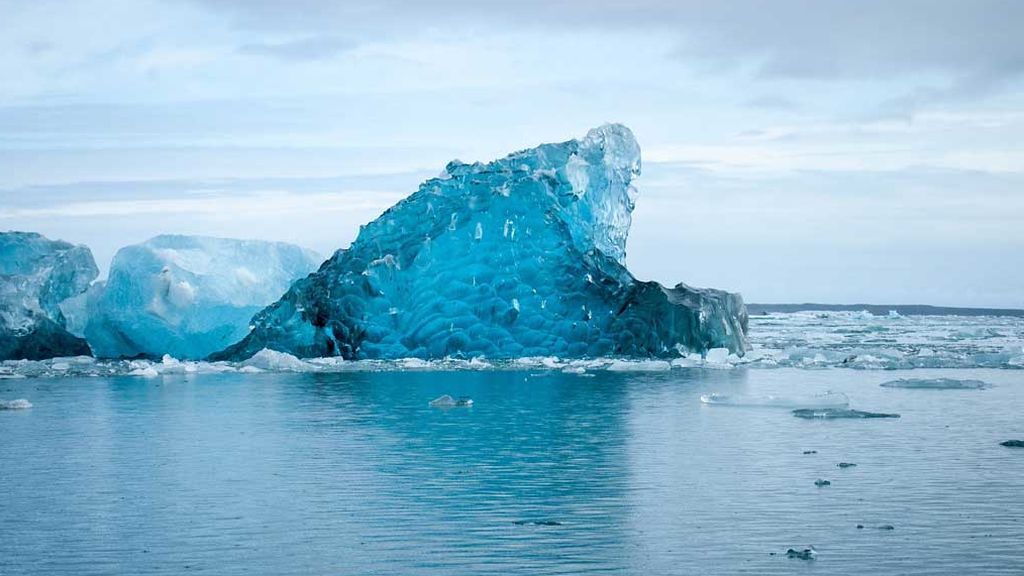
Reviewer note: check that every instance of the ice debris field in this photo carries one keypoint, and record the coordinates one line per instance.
(913, 342)
(517, 262)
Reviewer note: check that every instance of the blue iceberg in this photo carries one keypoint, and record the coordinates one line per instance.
(37, 275)
(188, 296)
(523, 256)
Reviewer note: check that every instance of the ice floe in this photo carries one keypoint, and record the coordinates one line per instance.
(19, 404)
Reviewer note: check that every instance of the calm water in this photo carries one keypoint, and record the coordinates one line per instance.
(352, 473)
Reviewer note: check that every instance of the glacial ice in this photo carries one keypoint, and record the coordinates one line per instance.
(187, 296)
(36, 276)
(522, 256)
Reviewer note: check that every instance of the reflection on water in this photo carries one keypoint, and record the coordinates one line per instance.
(546, 473)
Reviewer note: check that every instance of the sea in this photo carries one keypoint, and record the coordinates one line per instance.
(844, 442)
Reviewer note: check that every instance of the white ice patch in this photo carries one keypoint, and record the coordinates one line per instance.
(639, 366)
(275, 361)
(834, 400)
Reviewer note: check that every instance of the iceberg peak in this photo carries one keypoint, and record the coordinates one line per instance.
(521, 256)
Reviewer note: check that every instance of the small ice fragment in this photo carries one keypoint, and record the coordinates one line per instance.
(274, 361)
(147, 372)
(19, 404)
(935, 384)
(836, 413)
(846, 465)
(808, 553)
(822, 482)
(639, 366)
(446, 401)
(717, 356)
(1013, 443)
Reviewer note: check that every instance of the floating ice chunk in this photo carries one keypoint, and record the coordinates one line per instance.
(446, 401)
(827, 400)
(838, 413)
(717, 356)
(688, 361)
(188, 296)
(147, 372)
(19, 404)
(639, 366)
(522, 256)
(808, 553)
(275, 361)
(935, 384)
(37, 276)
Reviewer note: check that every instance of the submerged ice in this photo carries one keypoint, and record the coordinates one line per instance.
(37, 275)
(187, 296)
(839, 414)
(935, 384)
(522, 256)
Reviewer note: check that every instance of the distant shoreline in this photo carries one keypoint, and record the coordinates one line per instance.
(883, 309)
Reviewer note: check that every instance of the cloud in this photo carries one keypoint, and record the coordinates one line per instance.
(772, 102)
(308, 48)
(794, 39)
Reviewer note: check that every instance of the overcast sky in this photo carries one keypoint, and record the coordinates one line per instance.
(793, 150)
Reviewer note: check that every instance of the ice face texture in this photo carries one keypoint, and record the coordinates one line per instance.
(522, 256)
(188, 296)
(36, 276)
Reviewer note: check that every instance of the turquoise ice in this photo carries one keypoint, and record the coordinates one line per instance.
(188, 296)
(36, 276)
(523, 256)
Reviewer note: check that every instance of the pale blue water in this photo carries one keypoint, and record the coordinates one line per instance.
(352, 473)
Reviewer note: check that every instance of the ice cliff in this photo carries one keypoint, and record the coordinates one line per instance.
(36, 275)
(187, 296)
(523, 256)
